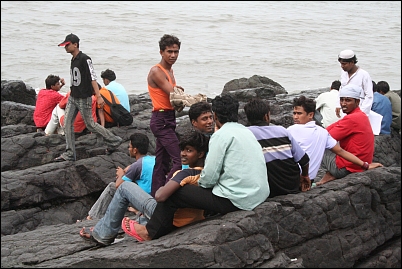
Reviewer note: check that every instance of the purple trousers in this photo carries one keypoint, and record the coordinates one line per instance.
(167, 151)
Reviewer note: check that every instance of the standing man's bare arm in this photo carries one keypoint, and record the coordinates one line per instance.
(99, 99)
(101, 115)
(157, 79)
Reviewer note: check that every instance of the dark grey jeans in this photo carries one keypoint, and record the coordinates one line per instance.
(84, 106)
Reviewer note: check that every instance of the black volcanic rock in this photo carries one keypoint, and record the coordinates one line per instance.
(17, 91)
(350, 222)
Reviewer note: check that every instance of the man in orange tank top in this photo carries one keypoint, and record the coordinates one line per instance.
(161, 82)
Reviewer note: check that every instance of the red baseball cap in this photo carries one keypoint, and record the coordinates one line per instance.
(71, 38)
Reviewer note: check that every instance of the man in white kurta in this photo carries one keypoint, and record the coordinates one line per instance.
(353, 74)
(326, 104)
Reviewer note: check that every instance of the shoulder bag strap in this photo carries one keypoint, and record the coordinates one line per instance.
(108, 103)
(112, 96)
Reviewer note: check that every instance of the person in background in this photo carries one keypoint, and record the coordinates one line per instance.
(108, 76)
(47, 100)
(382, 105)
(326, 104)
(353, 74)
(139, 172)
(56, 122)
(354, 134)
(234, 176)
(315, 140)
(201, 117)
(282, 153)
(83, 86)
(161, 82)
(193, 147)
(383, 88)
(105, 111)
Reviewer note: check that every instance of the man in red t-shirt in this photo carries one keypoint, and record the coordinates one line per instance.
(47, 100)
(354, 134)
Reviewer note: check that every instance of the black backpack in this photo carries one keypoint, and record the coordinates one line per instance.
(120, 115)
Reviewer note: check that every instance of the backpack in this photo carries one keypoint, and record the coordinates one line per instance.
(119, 114)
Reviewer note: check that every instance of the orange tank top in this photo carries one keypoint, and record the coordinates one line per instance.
(160, 100)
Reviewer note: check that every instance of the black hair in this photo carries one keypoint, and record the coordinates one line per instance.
(108, 74)
(226, 108)
(195, 139)
(307, 104)
(382, 86)
(255, 110)
(198, 109)
(336, 84)
(140, 141)
(167, 41)
(51, 80)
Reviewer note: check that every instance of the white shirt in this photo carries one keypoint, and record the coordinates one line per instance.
(314, 140)
(326, 102)
(362, 79)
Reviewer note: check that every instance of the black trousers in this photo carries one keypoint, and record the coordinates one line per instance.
(188, 196)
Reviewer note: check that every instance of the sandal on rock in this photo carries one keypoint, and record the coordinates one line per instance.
(132, 232)
(86, 233)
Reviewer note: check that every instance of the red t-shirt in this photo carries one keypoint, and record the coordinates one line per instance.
(355, 135)
(46, 101)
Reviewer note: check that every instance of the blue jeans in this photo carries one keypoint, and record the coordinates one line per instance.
(107, 228)
(84, 106)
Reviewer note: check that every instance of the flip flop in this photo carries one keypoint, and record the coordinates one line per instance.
(132, 232)
(86, 230)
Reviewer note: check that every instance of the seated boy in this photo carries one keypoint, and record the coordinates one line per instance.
(193, 147)
(140, 172)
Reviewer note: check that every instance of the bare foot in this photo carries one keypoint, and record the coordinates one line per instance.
(89, 217)
(85, 233)
(326, 178)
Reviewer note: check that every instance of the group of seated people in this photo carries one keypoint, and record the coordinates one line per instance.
(228, 166)
(51, 105)
(386, 103)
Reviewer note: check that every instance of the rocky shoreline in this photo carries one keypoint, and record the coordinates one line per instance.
(351, 222)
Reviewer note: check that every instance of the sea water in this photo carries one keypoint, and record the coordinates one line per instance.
(293, 43)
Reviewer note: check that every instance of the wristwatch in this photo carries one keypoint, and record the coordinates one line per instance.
(365, 166)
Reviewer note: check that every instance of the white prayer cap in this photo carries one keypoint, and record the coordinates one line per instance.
(350, 90)
(346, 54)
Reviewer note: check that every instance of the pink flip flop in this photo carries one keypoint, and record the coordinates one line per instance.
(132, 232)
